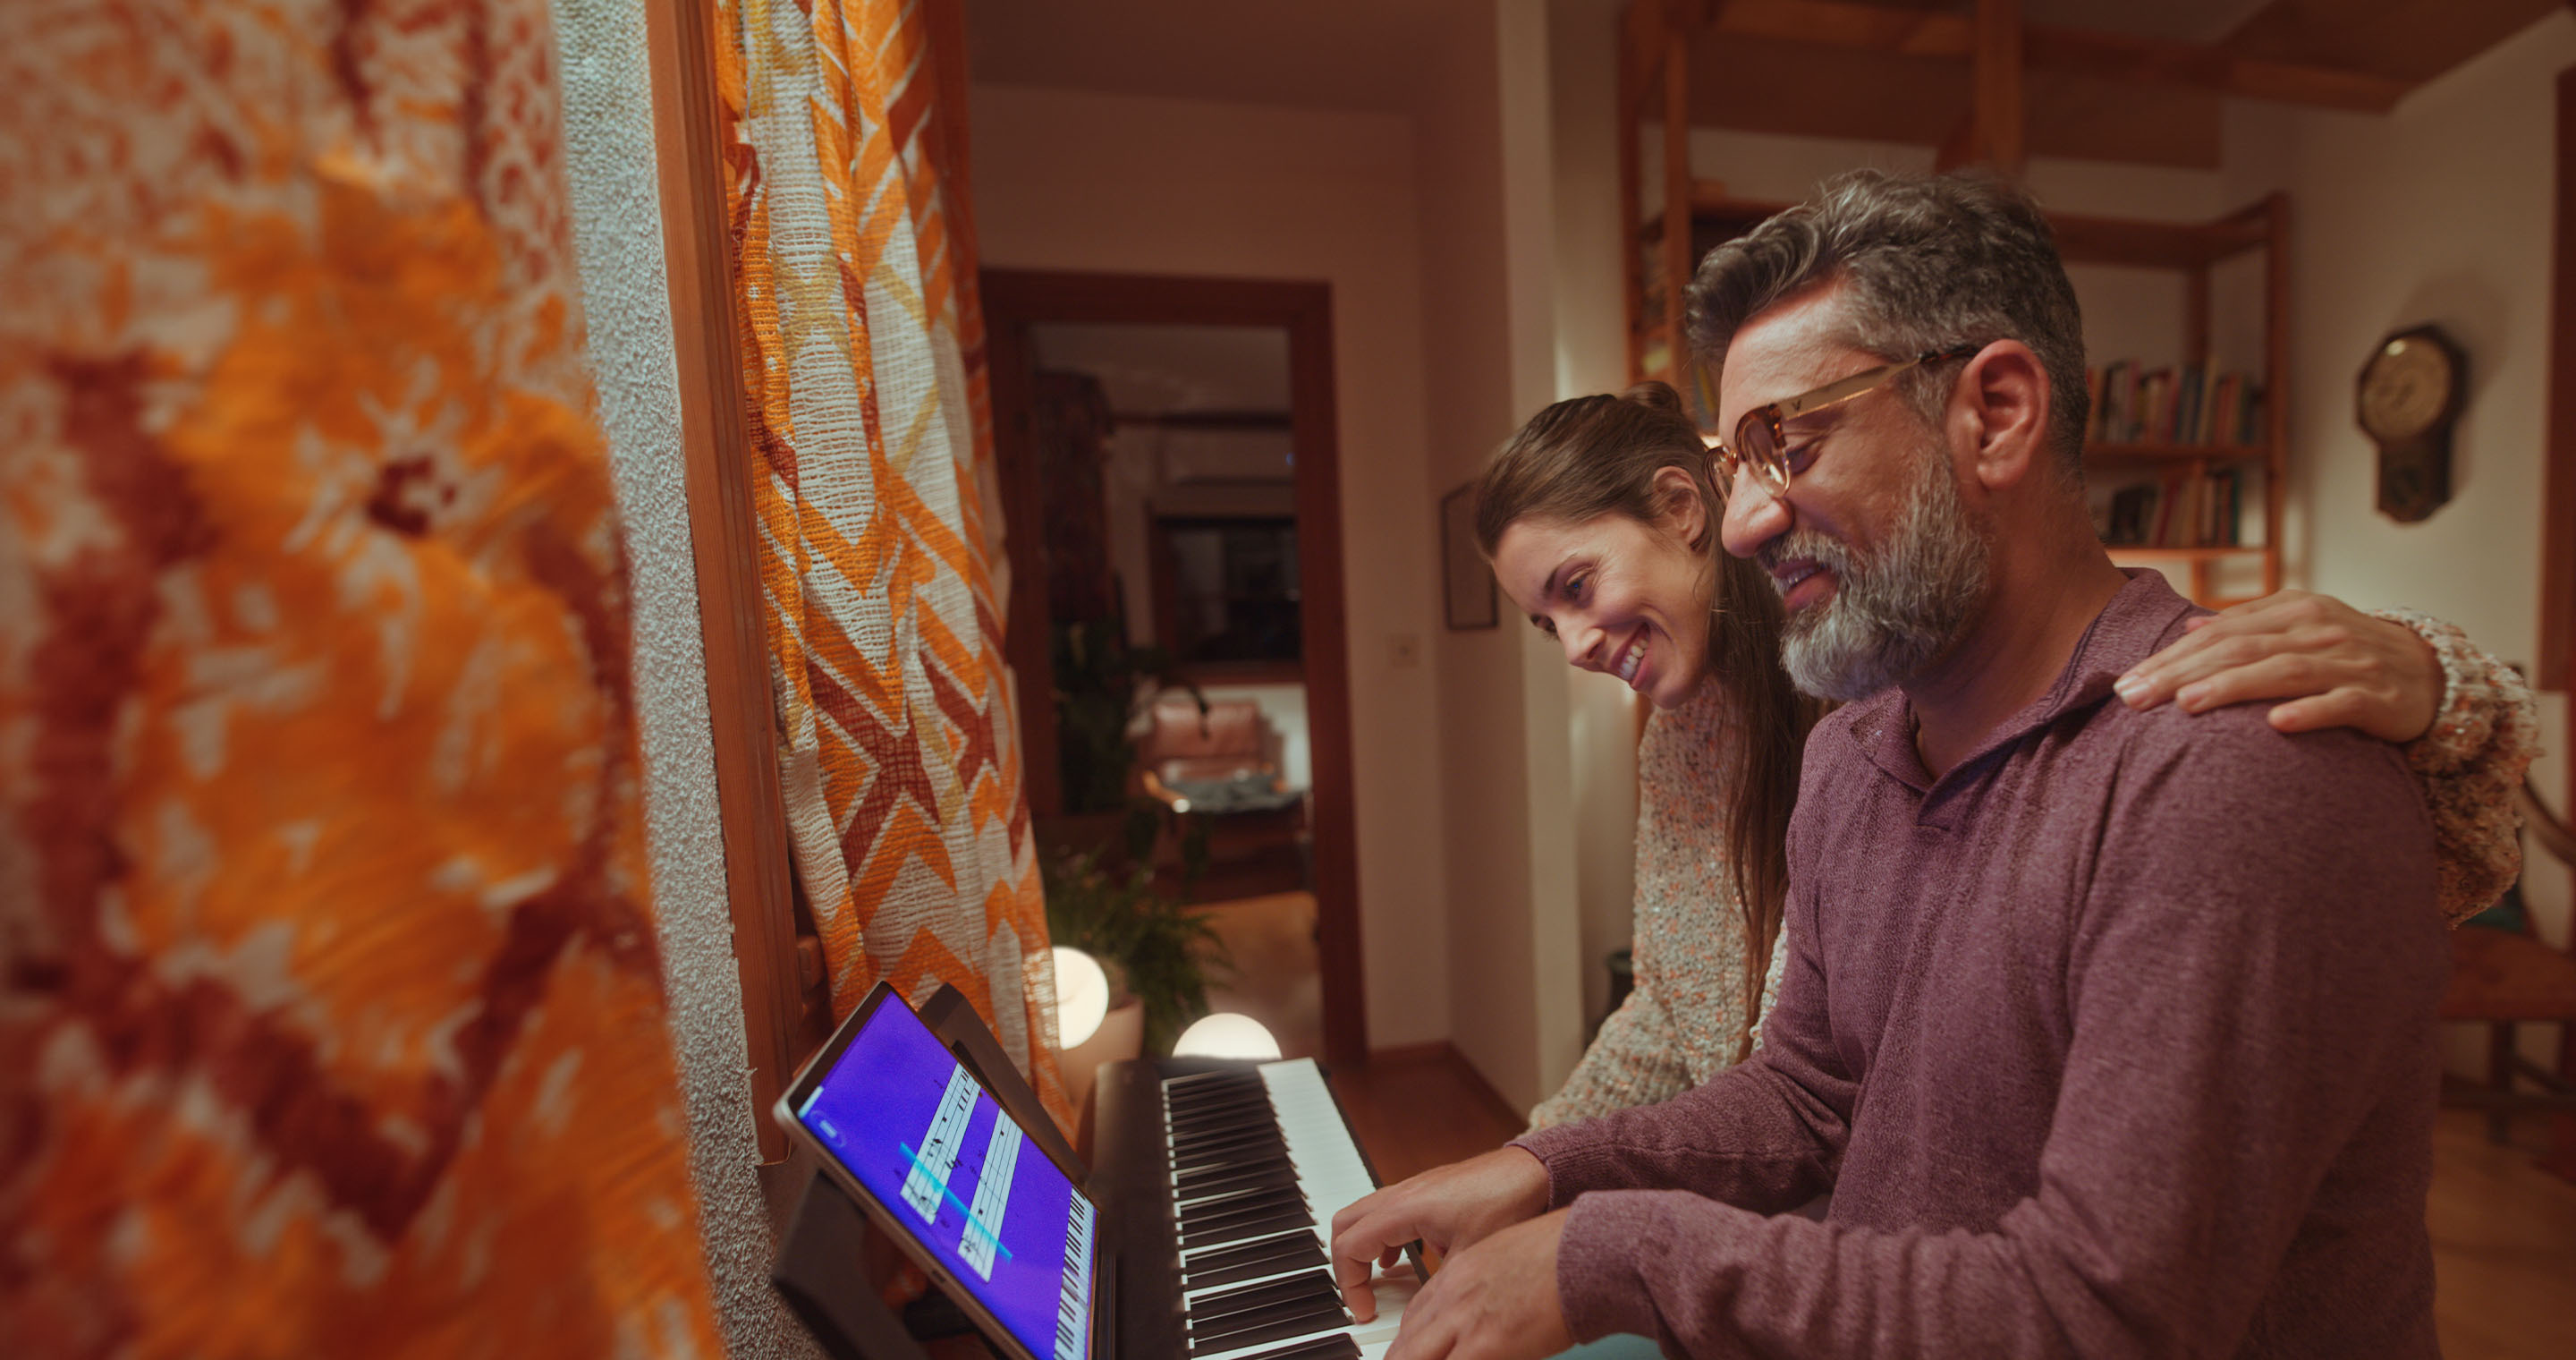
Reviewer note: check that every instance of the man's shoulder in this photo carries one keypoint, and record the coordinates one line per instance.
(2227, 775)
(2239, 742)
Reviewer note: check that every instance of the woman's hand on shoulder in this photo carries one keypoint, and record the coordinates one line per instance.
(2333, 665)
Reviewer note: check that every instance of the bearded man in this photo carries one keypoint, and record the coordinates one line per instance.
(2110, 1032)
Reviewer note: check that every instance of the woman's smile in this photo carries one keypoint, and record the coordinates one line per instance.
(1631, 658)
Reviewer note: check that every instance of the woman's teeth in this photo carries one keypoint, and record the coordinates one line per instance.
(1631, 659)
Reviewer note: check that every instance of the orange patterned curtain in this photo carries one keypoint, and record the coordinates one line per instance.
(330, 1015)
(864, 364)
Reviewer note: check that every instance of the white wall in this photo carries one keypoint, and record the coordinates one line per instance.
(1590, 356)
(2440, 211)
(1486, 830)
(1080, 181)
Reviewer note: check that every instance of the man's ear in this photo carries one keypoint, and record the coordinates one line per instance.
(1679, 510)
(2003, 399)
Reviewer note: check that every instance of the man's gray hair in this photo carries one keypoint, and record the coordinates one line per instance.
(1932, 262)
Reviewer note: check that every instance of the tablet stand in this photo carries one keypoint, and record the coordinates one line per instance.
(817, 1268)
(953, 1019)
(817, 1272)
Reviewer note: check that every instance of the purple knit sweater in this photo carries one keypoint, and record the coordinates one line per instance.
(2116, 1040)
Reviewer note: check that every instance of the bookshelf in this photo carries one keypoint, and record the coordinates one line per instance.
(2212, 572)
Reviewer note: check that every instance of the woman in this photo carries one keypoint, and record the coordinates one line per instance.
(1601, 512)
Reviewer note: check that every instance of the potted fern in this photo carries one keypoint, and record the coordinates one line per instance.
(1153, 948)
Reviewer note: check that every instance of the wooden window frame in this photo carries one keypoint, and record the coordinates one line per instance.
(706, 337)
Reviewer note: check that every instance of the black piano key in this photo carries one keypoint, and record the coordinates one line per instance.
(1244, 1178)
(1182, 1102)
(1196, 1212)
(1200, 1081)
(1228, 1219)
(1249, 1115)
(1215, 1266)
(1335, 1347)
(1194, 1178)
(1234, 1144)
(1197, 1200)
(1204, 1310)
(1223, 1100)
(1219, 1127)
(1224, 1133)
(1297, 1322)
(1203, 1164)
(1201, 1146)
(1263, 1199)
(1277, 1220)
(1315, 1315)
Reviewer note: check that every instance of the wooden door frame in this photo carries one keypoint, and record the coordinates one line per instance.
(2557, 668)
(1014, 300)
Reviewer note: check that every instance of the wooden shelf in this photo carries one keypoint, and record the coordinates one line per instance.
(2166, 245)
(1710, 203)
(2081, 239)
(2140, 554)
(2120, 454)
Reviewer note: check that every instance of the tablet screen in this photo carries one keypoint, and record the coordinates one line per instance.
(937, 1151)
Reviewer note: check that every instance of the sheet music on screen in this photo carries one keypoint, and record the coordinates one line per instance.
(916, 1128)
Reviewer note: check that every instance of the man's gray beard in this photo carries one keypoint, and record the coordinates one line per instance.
(1895, 613)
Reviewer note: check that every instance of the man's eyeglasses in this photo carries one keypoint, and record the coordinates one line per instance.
(1761, 447)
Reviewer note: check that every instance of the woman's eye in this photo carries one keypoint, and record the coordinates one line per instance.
(1575, 586)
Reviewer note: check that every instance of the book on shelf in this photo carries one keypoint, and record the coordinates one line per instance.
(2184, 405)
(2176, 509)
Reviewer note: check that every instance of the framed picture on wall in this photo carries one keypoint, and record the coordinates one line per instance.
(1468, 583)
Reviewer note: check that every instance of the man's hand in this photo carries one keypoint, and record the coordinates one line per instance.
(1495, 1301)
(1450, 1208)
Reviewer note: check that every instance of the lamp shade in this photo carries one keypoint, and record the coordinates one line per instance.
(1081, 996)
(1226, 1035)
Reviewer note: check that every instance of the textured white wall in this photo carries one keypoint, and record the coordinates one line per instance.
(617, 231)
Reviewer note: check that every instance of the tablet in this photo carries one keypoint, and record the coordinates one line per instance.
(942, 1168)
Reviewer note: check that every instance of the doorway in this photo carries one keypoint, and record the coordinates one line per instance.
(1167, 456)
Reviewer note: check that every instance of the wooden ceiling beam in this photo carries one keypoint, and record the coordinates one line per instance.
(2145, 61)
(1842, 23)
(2152, 61)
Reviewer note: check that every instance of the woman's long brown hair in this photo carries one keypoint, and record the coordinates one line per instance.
(1599, 455)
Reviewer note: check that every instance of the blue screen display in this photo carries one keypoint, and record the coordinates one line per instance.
(932, 1145)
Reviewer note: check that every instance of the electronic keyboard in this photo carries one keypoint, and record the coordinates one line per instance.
(1218, 1183)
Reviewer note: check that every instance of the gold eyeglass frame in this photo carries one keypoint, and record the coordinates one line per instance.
(1764, 425)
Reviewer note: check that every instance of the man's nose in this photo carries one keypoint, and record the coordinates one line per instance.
(1753, 517)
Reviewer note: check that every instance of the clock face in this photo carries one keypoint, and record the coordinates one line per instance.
(2406, 388)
